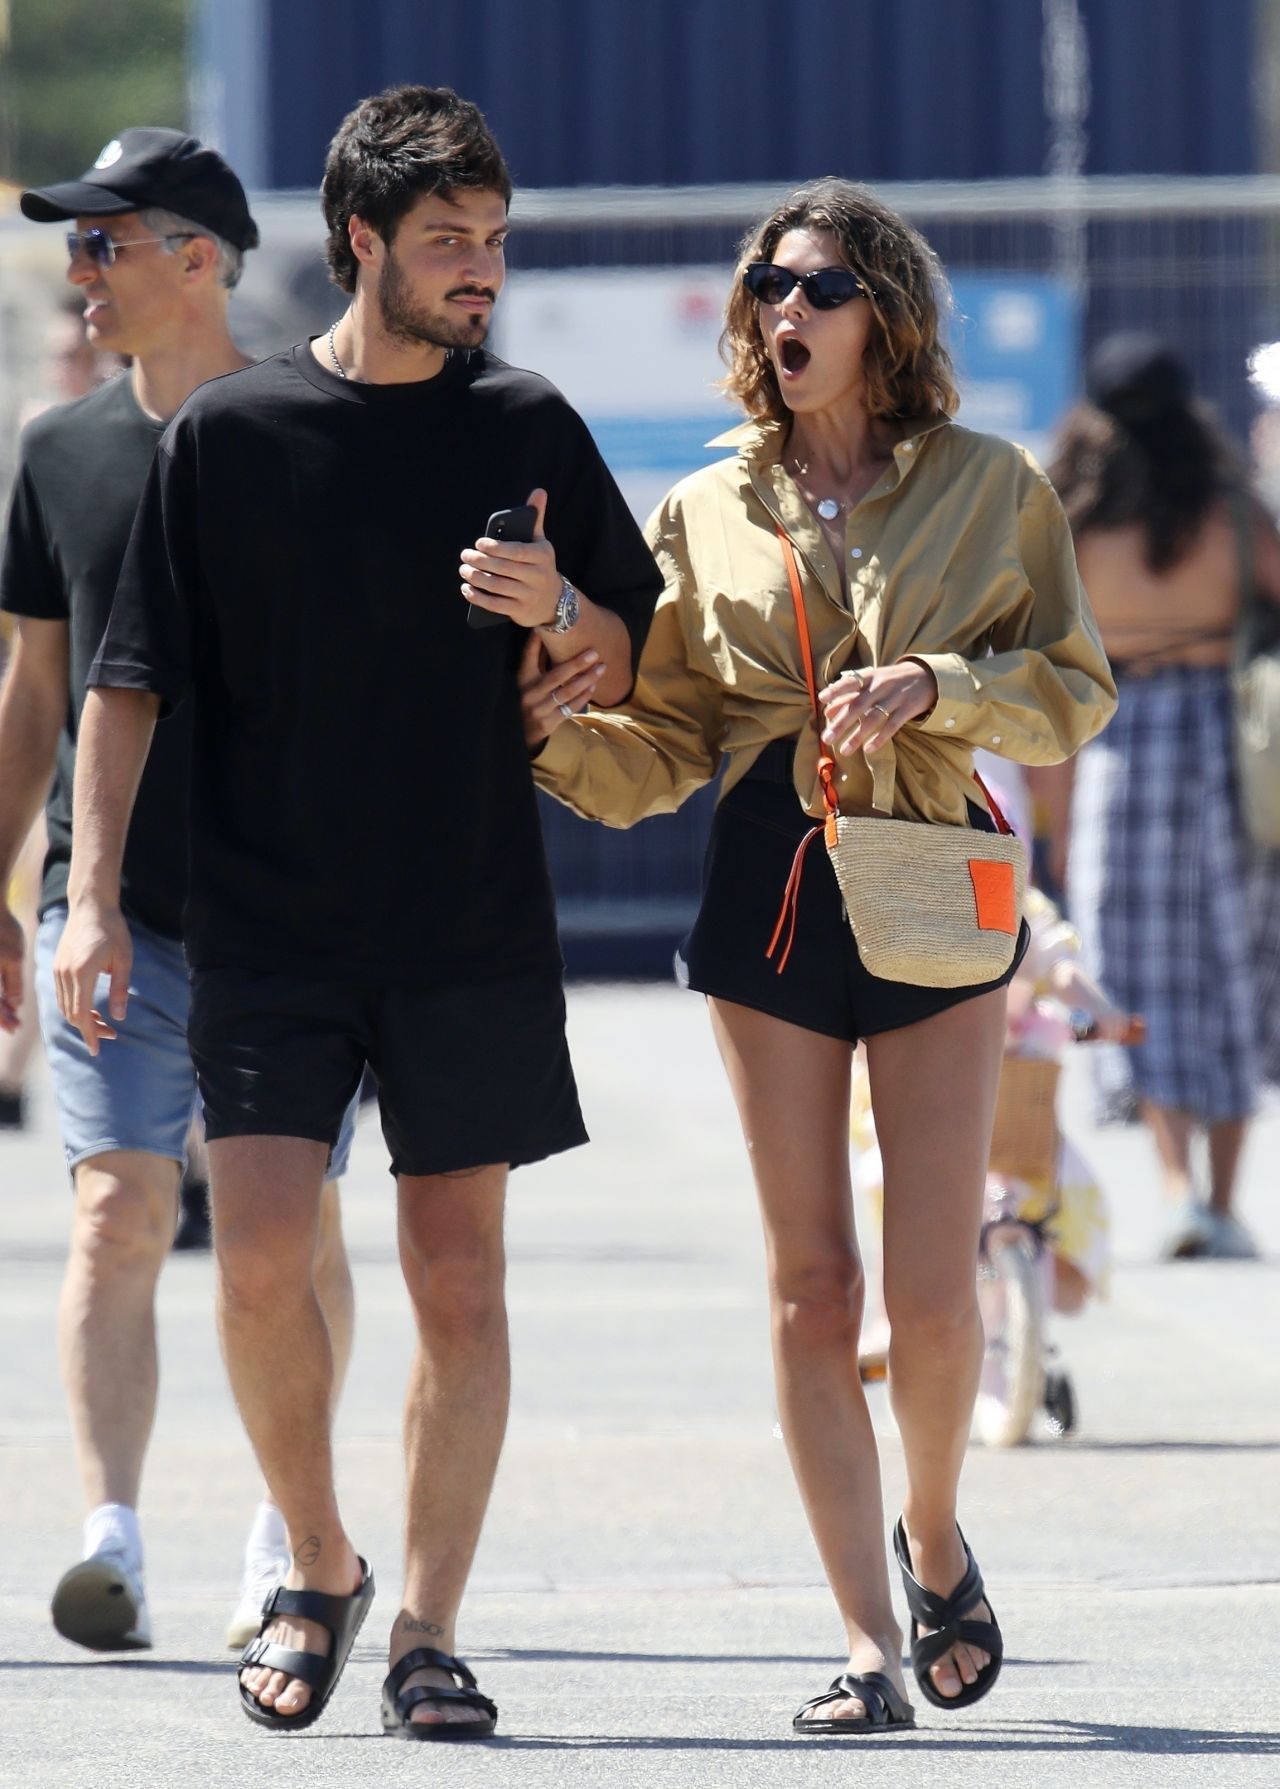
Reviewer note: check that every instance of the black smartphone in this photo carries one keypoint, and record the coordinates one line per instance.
(503, 524)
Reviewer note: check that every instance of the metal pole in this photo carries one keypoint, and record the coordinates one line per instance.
(230, 50)
(1065, 54)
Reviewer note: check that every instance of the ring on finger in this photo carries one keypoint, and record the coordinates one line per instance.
(565, 710)
(881, 709)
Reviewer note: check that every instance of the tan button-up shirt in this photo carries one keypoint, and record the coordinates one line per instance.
(960, 557)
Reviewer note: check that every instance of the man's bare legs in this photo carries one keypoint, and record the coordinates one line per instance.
(125, 1204)
(266, 1552)
(266, 1212)
(933, 1090)
(792, 1091)
(452, 1253)
(333, 1284)
(454, 1261)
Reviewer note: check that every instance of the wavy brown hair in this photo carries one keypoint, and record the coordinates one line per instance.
(1143, 451)
(908, 370)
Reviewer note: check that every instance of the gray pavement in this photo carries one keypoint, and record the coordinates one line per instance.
(647, 1607)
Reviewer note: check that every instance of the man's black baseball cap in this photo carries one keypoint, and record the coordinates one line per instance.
(150, 167)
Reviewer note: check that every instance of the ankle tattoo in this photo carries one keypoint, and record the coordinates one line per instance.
(309, 1551)
(412, 1626)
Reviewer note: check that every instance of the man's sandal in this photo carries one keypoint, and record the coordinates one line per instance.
(886, 1709)
(946, 1615)
(342, 1615)
(398, 1703)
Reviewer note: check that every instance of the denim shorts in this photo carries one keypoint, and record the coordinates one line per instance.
(138, 1093)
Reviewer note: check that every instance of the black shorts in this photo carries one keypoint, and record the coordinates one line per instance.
(467, 1076)
(824, 987)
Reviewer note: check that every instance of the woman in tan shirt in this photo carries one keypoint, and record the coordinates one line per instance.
(942, 599)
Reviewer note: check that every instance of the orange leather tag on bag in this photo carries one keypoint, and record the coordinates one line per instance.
(994, 891)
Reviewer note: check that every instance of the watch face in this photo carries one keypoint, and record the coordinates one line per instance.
(570, 608)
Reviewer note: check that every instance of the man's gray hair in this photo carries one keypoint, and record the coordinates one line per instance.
(170, 223)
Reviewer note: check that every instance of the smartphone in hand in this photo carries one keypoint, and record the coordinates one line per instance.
(503, 524)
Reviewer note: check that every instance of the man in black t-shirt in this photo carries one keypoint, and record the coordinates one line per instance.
(368, 883)
(160, 226)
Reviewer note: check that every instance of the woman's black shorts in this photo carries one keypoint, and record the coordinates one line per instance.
(824, 986)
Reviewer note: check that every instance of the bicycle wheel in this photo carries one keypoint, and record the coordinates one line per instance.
(1011, 1296)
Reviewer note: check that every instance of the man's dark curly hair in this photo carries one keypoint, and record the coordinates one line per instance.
(391, 151)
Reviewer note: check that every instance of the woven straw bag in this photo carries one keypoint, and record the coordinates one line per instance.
(935, 906)
(1024, 1138)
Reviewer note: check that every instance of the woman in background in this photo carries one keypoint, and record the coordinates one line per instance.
(1159, 862)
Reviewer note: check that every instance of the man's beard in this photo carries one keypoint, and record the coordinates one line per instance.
(406, 321)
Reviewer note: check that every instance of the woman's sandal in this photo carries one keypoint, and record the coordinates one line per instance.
(886, 1710)
(946, 1615)
(342, 1615)
(398, 1703)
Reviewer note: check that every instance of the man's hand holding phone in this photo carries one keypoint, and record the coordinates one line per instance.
(511, 575)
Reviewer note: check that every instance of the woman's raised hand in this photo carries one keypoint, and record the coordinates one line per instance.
(551, 693)
(864, 708)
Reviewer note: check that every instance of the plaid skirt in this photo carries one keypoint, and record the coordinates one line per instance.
(1169, 900)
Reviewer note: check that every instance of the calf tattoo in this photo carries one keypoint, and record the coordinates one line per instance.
(309, 1551)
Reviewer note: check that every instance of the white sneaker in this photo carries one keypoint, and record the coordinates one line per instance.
(262, 1572)
(100, 1603)
(1188, 1233)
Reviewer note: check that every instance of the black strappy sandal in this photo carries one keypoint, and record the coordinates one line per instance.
(398, 1703)
(342, 1615)
(886, 1712)
(946, 1615)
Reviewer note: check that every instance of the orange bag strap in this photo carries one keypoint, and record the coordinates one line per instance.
(826, 762)
(826, 766)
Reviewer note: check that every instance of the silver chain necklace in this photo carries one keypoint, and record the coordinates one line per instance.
(333, 352)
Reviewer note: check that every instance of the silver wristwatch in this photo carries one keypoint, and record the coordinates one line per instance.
(567, 611)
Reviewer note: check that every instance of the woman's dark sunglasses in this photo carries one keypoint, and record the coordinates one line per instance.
(103, 249)
(826, 288)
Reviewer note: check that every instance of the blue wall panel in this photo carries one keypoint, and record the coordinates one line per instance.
(679, 91)
(1172, 86)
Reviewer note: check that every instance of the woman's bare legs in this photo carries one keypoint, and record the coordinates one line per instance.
(792, 1092)
(1171, 1131)
(933, 1091)
(1226, 1141)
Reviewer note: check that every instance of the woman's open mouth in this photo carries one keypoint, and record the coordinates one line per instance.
(793, 354)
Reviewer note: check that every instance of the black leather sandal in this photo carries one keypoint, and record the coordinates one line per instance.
(342, 1615)
(886, 1710)
(946, 1615)
(398, 1703)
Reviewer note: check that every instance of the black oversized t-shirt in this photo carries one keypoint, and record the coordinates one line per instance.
(82, 470)
(362, 806)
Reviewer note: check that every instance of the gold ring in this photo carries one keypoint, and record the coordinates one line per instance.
(883, 710)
